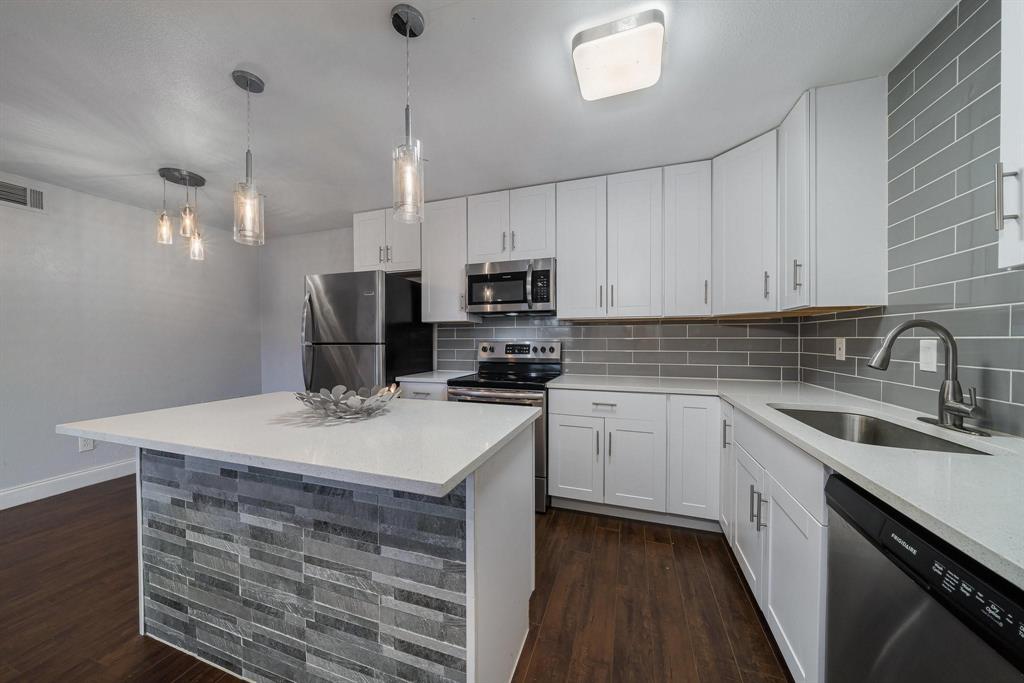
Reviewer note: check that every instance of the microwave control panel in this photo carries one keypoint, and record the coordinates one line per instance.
(542, 286)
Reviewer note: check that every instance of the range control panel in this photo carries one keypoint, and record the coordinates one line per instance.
(520, 350)
(999, 616)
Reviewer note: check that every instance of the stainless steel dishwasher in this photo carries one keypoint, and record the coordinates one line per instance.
(906, 607)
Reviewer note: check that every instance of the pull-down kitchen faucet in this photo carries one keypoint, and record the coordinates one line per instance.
(952, 408)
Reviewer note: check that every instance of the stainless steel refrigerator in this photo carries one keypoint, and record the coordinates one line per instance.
(362, 330)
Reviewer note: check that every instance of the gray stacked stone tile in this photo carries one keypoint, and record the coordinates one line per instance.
(281, 577)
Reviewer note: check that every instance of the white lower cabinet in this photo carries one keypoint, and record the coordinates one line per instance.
(425, 391)
(749, 544)
(726, 486)
(694, 441)
(635, 463)
(576, 457)
(793, 597)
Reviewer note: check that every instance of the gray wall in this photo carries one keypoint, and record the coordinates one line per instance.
(943, 145)
(284, 263)
(96, 319)
(763, 349)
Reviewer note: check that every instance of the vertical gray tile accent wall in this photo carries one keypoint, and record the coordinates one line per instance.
(283, 577)
(735, 349)
(943, 146)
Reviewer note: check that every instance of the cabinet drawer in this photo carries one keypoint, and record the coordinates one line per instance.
(800, 474)
(607, 404)
(427, 391)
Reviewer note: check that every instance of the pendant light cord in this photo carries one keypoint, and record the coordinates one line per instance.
(408, 112)
(165, 195)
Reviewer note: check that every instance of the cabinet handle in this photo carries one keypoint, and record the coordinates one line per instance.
(725, 425)
(751, 504)
(504, 235)
(796, 274)
(462, 302)
(600, 296)
(609, 445)
(513, 240)
(597, 445)
(602, 403)
(611, 302)
(761, 500)
(766, 284)
(1000, 216)
(388, 252)
(421, 393)
(380, 254)
(705, 291)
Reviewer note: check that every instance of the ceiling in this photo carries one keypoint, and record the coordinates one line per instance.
(95, 96)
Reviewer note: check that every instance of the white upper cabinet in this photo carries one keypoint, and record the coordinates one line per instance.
(581, 283)
(531, 212)
(488, 227)
(1011, 130)
(694, 433)
(634, 244)
(444, 262)
(687, 253)
(794, 205)
(381, 243)
(745, 228)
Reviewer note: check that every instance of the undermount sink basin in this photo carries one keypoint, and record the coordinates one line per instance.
(873, 431)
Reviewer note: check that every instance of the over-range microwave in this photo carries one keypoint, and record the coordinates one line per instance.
(511, 287)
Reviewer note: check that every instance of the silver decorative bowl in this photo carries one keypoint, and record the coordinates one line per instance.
(348, 404)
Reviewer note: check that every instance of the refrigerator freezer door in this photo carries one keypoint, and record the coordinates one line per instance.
(345, 308)
(354, 365)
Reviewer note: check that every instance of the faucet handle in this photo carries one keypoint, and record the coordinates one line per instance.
(973, 393)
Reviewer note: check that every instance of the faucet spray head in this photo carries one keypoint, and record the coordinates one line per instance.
(880, 361)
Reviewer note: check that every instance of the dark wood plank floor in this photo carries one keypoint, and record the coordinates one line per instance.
(616, 601)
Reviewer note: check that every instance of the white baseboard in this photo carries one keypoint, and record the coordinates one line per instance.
(62, 483)
(639, 515)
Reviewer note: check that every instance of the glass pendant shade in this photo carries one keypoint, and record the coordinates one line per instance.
(248, 215)
(407, 182)
(164, 231)
(196, 250)
(188, 220)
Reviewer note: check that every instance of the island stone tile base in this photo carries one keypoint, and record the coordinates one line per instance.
(282, 577)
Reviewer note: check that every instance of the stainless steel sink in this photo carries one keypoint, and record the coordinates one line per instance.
(873, 431)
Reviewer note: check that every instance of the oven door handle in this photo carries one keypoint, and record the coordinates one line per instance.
(500, 395)
(512, 402)
(529, 284)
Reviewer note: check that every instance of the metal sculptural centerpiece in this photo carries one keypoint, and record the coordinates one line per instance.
(343, 403)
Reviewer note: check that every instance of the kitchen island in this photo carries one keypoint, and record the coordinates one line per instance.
(281, 547)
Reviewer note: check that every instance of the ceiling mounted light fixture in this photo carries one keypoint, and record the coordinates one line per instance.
(164, 231)
(248, 202)
(620, 56)
(407, 160)
(196, 249)
(189, 212)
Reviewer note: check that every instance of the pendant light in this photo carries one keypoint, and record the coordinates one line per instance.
(188, 215)
(407, 169)
(164, 231)
(196, 250)
(249, 228)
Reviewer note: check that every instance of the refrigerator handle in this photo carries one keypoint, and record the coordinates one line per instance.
(307, 346)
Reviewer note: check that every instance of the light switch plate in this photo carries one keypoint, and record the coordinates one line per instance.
(840, 348)
(85, 444)
(929, 354)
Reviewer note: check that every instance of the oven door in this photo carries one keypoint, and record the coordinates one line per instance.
(537, 399)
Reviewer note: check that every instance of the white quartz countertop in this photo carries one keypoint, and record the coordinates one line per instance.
(424, 447)
(971, 501)
(433, 376)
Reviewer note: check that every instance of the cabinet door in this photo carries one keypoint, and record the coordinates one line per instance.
(727, 500)
(576, 457)
(531, 222)
(444, 261)
(634, 244)
(581, 286)
(749, 545)
(694, 444)
(635, 463)
(488, 227)
(1011, 129)
(402, 249)
(794, 582)
(687, 257)
(368, 240)
(794, 205)
(745, 239)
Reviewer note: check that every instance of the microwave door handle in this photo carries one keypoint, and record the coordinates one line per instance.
(529, 285)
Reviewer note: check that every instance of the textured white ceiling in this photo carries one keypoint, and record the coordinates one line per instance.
(96, 96)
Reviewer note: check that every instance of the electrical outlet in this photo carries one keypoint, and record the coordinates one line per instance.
(840, 348)
(86, 444)
(929, 354)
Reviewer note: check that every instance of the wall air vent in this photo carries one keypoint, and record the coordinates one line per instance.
(21, 196)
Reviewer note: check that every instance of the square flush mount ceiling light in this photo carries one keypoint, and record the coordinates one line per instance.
(620, 56)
